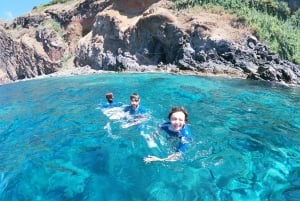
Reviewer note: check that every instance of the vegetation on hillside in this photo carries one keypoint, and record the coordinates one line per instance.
(57, 1)
(273, 21)
(41, 7)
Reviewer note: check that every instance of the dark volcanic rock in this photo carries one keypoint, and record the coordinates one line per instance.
(130, 35)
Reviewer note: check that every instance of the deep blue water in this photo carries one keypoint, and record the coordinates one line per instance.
(55, 144)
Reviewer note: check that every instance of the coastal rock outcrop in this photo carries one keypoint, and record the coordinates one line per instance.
(24, 58)
(135, 35)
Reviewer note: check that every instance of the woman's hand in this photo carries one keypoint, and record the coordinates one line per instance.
(149, 159)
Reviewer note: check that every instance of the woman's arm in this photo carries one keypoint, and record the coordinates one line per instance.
(170, 158)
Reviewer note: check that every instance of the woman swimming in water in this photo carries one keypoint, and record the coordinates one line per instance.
(175, 127)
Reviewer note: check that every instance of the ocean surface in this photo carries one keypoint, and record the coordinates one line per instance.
(56, 143)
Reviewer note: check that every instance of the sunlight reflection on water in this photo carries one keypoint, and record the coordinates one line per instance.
(56, 144)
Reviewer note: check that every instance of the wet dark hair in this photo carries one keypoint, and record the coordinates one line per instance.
(134, 96)
(179, 109)
(109, 96)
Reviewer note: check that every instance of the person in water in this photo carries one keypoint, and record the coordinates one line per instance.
(110, 103)
(135, 109)
(176, 127)
(109, 97)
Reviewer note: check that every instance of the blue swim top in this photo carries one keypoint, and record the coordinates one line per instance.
(111, 105)
(135, 112)
(184, 135)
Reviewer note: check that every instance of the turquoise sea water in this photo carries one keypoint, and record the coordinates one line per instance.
(56, 145)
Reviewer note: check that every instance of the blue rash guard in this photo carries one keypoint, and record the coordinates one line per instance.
(137, 116)
(184, 135)
(111, 105)
(137, 112)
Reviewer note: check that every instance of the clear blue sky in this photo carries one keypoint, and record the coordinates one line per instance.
(10, 9)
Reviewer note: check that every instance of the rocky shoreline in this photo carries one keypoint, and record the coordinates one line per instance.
(166, 69)
(113, 36)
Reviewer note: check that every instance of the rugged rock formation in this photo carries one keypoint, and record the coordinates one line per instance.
(135, 35)
(25, 58)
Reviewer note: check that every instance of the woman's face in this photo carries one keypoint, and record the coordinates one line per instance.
(177, 120)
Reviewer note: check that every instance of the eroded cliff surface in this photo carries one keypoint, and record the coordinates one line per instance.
(135, 35)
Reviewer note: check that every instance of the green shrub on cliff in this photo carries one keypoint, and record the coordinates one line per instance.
(272, 20)
(295, 19)
(55, 25)
(57, 1)
(272, 7)
(41, 7)
(281, 36)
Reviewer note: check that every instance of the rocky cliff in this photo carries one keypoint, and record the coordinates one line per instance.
(135, 35)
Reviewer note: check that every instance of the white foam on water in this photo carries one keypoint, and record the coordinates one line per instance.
(108, 128)
(131, 121)
(114, 113)
(150, 140)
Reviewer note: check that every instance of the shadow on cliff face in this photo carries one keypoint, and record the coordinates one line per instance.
(152, 40)
(156, 38)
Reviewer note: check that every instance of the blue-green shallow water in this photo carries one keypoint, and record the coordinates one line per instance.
(54, 144)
